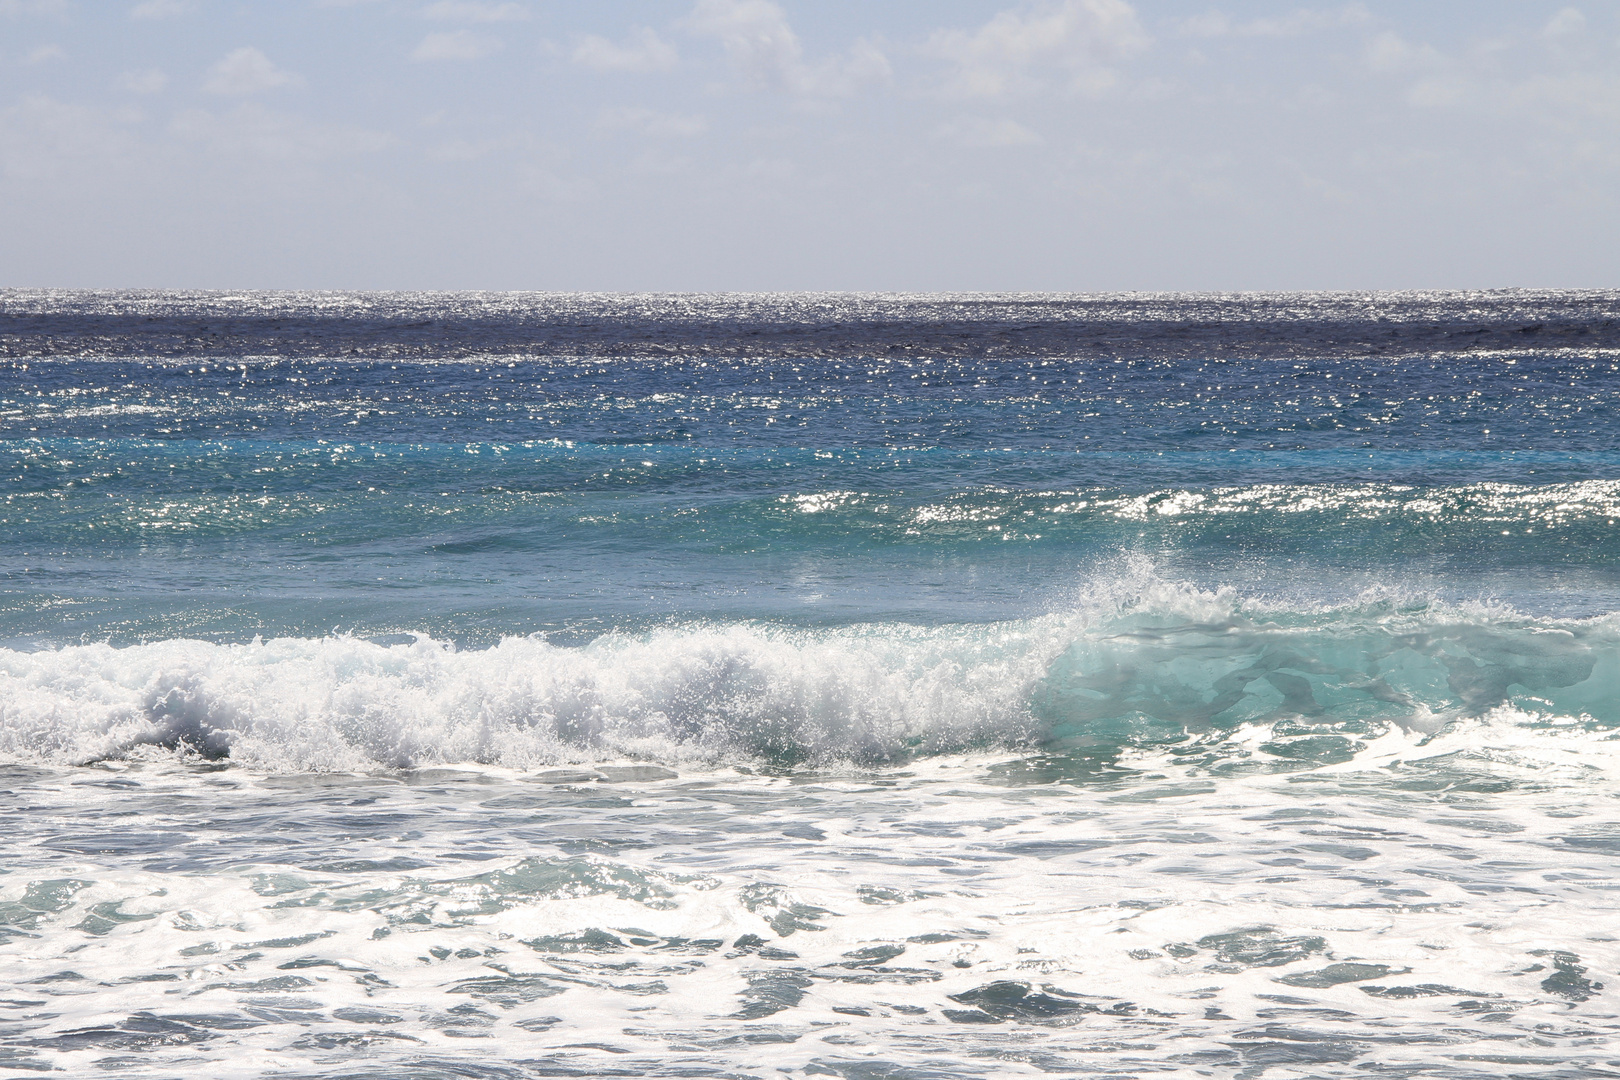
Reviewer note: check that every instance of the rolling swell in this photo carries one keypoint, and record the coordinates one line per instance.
(1170, 668)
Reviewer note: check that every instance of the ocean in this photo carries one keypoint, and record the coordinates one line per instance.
(892, 687)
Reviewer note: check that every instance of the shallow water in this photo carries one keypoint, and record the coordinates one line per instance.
(900, 687)
(1435, 904)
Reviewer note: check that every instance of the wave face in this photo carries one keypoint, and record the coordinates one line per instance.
(1188, 672)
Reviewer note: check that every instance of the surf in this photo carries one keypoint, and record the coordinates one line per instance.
(1137, 664)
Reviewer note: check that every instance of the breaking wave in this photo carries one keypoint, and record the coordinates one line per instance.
(1135, 665)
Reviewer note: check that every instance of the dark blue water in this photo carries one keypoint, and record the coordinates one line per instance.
(480, 465)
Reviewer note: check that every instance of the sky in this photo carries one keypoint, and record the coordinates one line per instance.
(764, 145)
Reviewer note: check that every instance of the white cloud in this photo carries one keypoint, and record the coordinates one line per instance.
(1441, 82)
(1294, 24)
(1439, 91)
(1580, 101)
(475, 11)
(543, 182)
(645, 51)
(648, 122)
(1005, 55)
(45, 54)
(158, 9)
(772, 170)
(1391, 52)
(1211, 24)
(247, 71)
(755, 33)
(654, 162)
(1570, 100)
(460, 150)
(983, 133)
(253, 131)
(456, 45)
(42, 139)
(16, 9)
(759, 40)
(149, 81)
(1568, 21)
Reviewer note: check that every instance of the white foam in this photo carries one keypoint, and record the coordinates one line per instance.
(1202, 906)
(1133, 649)
(691, 693)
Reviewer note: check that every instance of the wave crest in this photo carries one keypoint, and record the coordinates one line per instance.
(706, 693)
(1144, 662)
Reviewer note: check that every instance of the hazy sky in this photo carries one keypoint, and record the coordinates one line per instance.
(809, 144)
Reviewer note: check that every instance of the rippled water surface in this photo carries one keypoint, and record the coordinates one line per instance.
(881, 687)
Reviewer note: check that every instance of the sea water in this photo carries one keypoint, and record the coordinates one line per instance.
(495, 685)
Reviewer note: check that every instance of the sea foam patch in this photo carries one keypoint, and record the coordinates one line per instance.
(1451, 891)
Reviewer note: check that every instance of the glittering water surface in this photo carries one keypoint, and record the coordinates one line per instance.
(878, 687)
